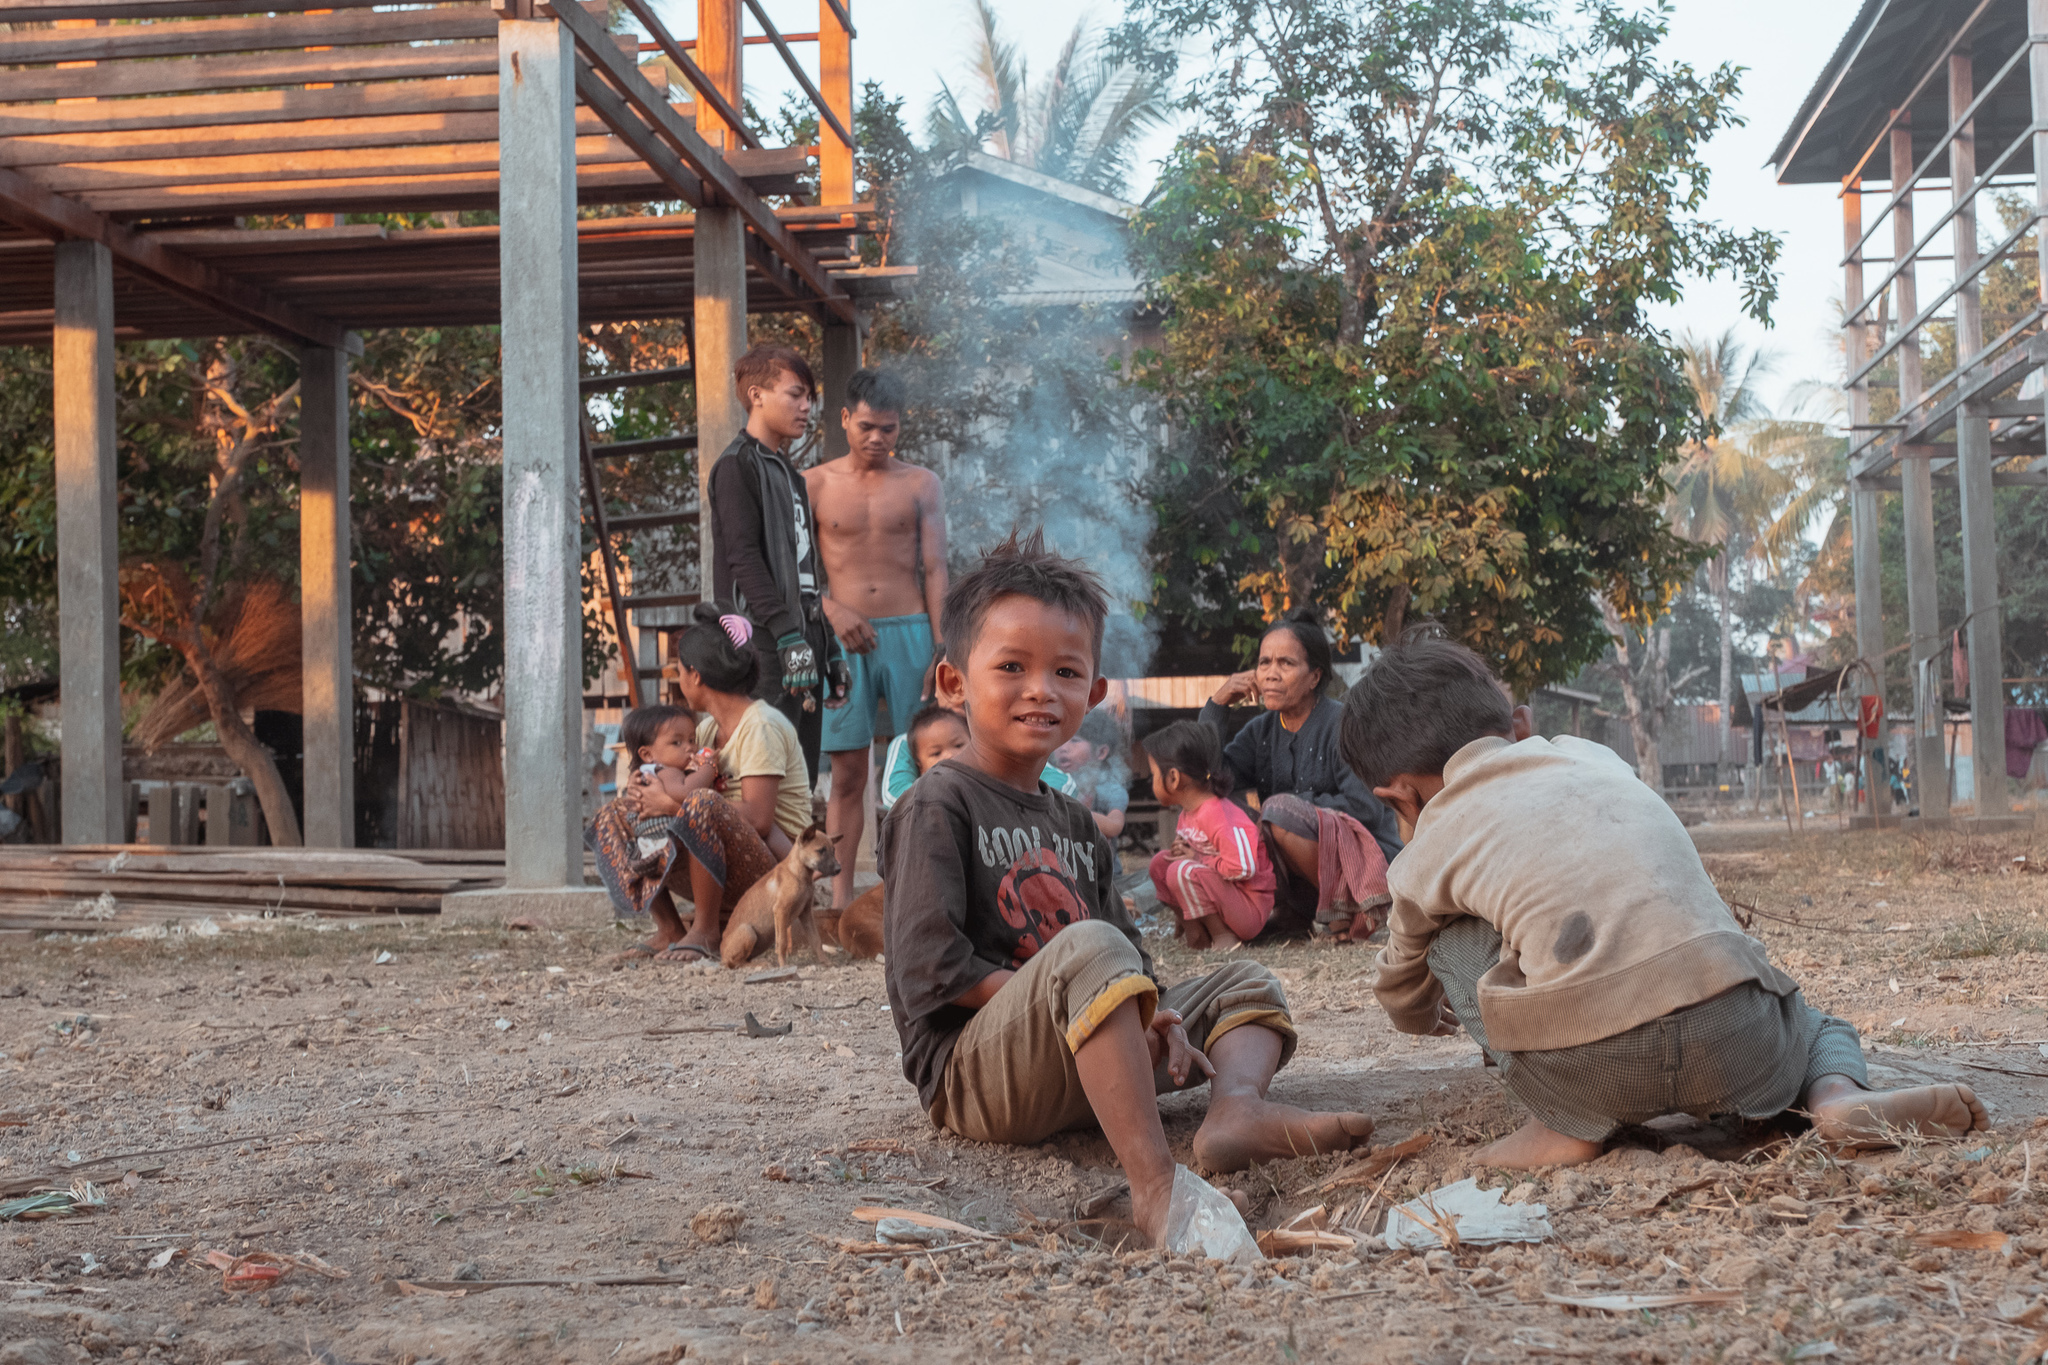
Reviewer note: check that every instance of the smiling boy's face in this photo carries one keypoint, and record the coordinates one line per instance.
(1029, 679)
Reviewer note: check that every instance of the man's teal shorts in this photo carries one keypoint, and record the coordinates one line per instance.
(893, 671)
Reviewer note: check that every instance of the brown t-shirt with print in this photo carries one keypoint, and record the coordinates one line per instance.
(977, 877)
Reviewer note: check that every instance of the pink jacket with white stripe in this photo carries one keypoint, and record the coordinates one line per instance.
(1226, 840)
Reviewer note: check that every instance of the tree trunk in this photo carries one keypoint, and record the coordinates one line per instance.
(1719, 571)
(1395, 619)
(243, 747)
(1645, 715)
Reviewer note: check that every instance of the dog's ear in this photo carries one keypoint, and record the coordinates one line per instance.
(837, 837)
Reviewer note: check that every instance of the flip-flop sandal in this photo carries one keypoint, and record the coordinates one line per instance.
(637, 950)
(684, 953)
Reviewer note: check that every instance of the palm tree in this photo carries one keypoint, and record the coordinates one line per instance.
(1080, 125)
(1725, 489)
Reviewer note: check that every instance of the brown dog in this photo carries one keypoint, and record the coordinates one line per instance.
(780, 903)
(860, 926)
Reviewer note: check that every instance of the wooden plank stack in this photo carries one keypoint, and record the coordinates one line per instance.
(112, 887)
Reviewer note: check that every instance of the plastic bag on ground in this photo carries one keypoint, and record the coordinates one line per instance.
(1200, 1218)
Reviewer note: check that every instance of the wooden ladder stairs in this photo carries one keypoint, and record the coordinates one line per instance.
(606, 525)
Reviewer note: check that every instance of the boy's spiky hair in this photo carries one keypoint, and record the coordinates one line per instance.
(1416, 705)
(1021, 569)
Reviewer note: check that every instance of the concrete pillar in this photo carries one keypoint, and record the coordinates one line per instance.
(543, 621)
(842, 358)
(1930, 763)
(88, 605)
(719, 269)
(1973, 476)
(1865, 511)
(327, 677)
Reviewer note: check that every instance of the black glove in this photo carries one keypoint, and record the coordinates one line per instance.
(838, 679)
(799, 662)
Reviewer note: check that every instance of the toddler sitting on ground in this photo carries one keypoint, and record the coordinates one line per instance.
(1554, 907)
(1215, 874)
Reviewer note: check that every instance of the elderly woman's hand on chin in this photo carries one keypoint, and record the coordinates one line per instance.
(1237, 688)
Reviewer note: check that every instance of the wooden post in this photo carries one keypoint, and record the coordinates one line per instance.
(327, 674)
(1866, 507)
(842, 358)
(835, 83)
(1916, 481)
(88, 605)
(720, 265)
(542, 520)
(1973, 475)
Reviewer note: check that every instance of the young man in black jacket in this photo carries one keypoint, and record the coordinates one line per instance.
(764, 539)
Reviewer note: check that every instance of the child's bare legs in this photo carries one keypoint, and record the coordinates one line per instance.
(1210, 932)
(1115, 1067)
(1533, 1145)
(1244, 1126)
(702, 939)
(1845, 1112)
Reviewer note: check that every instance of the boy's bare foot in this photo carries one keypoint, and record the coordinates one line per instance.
(1845, 1112)
(1195, 932)
(1241, 1129)
(1533, 1145)
(1222, 939)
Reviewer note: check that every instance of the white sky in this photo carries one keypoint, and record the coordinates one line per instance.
(908, 45)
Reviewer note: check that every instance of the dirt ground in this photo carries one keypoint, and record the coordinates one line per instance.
(427, 1107)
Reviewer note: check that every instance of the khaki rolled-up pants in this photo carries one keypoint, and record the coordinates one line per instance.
(1011, 1076)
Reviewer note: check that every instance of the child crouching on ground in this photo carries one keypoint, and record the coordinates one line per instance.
(1215, 874)
(1023, 997)
(1554, 907)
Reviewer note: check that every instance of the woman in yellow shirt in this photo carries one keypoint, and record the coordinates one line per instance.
(738, 809)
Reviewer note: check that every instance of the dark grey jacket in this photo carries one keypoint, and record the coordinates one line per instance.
(1266, 759)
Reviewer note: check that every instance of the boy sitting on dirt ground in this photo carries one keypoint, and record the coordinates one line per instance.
(1553, 905)
(1023, 996)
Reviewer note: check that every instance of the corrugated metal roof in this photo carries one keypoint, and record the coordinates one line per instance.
(1888, 47)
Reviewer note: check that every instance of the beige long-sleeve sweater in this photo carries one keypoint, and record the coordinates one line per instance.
(1607, 917)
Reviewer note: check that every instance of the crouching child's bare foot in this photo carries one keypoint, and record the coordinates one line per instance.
(1534, 1145)
(1241, 1129)
(1844, 1112)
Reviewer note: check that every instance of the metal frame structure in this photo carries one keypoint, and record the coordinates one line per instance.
(1945, 103)
(137, 136)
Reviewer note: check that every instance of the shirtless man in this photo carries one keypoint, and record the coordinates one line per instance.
(880, 522)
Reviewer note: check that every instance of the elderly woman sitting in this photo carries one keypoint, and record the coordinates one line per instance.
(1330, 836)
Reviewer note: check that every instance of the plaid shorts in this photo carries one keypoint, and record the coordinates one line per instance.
(1746, 1051)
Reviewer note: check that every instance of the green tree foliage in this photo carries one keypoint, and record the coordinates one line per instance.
(1404, 264)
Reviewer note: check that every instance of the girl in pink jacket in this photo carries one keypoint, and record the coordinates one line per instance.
(1216, 873)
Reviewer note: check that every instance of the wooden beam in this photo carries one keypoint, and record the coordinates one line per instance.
(346, 28)
(469, 94)
(405, 130)
(709, 166)
(263, 68)
(706, 88)
(824, 107)
(835, 75)
(318, 164)
(609, 183)
(606, 104)
(29, 205)
(107, 11)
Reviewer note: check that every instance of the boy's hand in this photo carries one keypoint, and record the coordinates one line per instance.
(1447, 1024)
(1182, 1056)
